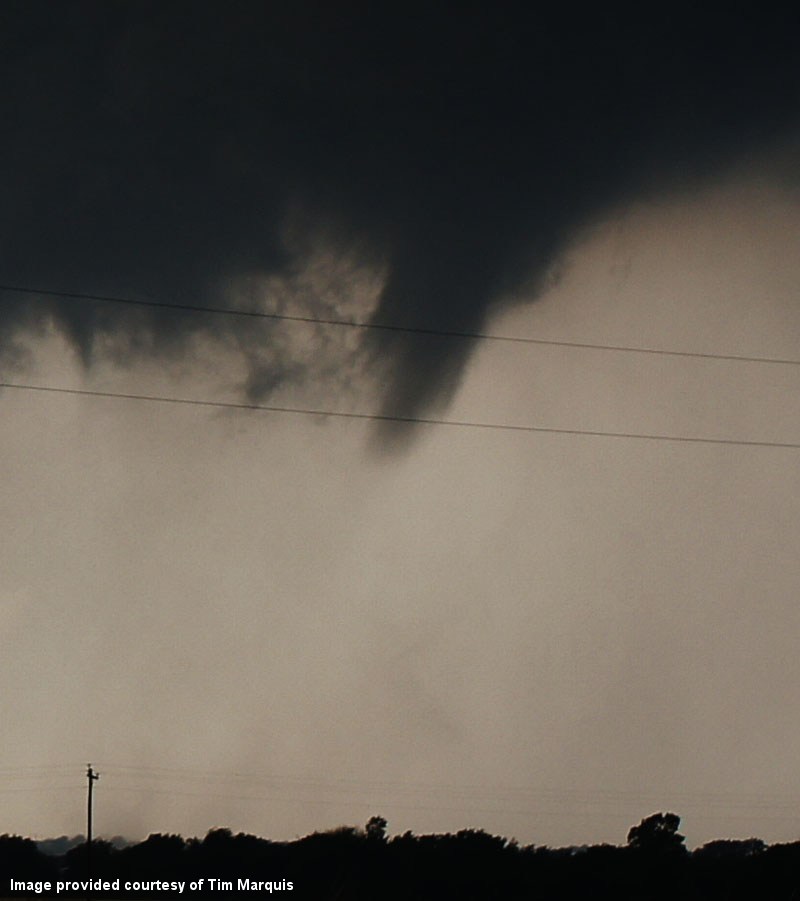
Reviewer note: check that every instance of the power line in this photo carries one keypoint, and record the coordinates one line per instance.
(411, 330)
(549, 804)
(493, 799)
(502, 792)
(466, 793)
(411, 420)
(35, 769)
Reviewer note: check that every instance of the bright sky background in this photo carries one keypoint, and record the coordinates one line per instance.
(254, 620)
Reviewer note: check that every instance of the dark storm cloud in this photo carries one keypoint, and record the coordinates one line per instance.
(155, 149)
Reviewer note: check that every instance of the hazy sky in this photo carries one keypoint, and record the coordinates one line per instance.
(282, 623)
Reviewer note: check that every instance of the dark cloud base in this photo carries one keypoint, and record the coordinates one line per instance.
(156, 150)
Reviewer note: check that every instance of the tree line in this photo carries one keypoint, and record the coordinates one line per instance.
(362, 864)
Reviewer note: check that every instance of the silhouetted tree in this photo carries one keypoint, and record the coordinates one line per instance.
(21, 859)
(730, 849)
(158, 856)
(76, 860)
(657, 834)
(376, 829)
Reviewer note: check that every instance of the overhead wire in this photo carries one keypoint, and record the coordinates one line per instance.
(387, 795)
(410, 420)
(581, 798)
(385, 417)
(575, 795)
(394, 327)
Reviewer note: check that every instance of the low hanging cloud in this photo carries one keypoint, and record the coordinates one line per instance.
(158, 150)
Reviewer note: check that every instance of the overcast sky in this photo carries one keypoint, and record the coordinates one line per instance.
(282, 623)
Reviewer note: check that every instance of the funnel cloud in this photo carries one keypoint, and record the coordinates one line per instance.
(159, 150)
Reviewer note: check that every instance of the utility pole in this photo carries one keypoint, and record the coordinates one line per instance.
(92, 777)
